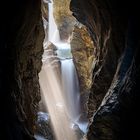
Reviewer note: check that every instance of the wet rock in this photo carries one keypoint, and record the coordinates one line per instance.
(78, 132)
(43, 128)
(50, 59)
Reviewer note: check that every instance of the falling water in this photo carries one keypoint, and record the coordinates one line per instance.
(70, 87)
(53, 31)
(52, 92)
(60, 93)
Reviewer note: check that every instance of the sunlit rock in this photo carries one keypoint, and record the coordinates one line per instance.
(83, 54)
(50, 59)
(49, 55)
(63, 17)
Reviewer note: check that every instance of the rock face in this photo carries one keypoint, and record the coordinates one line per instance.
(82, 48)
(45, 13)
(104, 54)
(63, 17)
(44, 9)
(27, 69)
(43, 126)
(50, 59)
(20, 52)
(118, 111)
(114, 32)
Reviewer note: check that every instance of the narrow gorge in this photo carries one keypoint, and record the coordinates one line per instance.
(69, 70)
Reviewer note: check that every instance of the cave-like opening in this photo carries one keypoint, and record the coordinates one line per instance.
(107, 66)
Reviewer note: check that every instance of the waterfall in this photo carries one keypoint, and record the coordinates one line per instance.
(53, 31)
(71, 88)
(60, 92)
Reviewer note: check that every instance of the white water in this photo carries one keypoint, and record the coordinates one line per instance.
(53, 31)
(61, 98)
(71, 88)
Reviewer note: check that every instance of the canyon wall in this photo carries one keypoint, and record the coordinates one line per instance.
(63, 17)
(113, 102)
(21, 51)
(105, 47)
